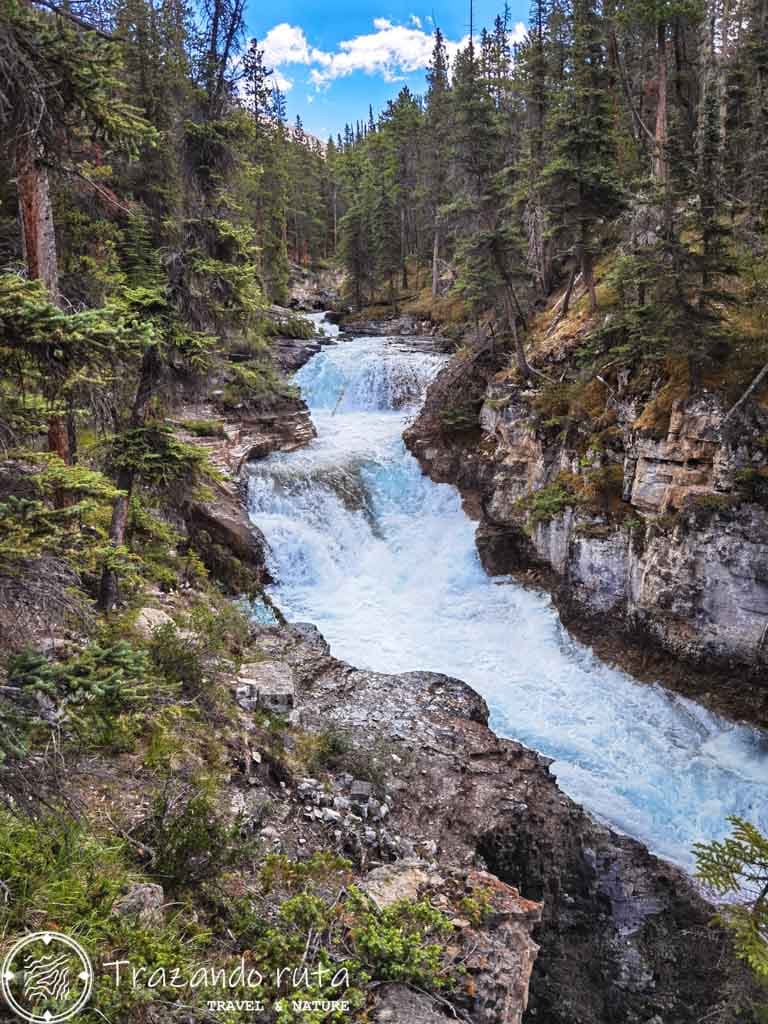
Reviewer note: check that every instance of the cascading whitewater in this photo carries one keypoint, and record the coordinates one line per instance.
(383, 561)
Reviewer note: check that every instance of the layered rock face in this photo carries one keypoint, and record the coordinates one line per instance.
(220, 526)
(682, 554)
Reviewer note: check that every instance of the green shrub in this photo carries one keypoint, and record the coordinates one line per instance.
(190, 842)
(58, 874)
(204, 428)
(548, 502)
(404, 942)
(333, 749)
(177, 658)
(254, 382)
(460, 415)
(289, 326)
(88, 692)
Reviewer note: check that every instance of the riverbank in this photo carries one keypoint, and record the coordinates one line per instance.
(314, 490)
(448, 795)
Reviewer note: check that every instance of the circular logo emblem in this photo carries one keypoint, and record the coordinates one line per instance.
(46, 978)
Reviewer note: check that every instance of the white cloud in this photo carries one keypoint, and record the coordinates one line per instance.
(391, 51)
(287, 44)
(283, 84)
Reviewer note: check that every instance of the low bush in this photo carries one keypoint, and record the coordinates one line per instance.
(204, 428)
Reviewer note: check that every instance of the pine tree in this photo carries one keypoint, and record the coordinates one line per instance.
(756, 103)
(435, 164)
(55, 73)
(580, 182)
(386, 243)
(355, 249)
(737, 868)
(258, 91)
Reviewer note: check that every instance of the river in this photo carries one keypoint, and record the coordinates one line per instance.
(383, 561)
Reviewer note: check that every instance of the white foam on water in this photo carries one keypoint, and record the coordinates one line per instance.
(321, 324)
(383, 561)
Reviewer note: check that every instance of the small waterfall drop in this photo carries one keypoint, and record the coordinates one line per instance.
(383, 561)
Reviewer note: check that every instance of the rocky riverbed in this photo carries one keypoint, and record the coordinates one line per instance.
(426, 796)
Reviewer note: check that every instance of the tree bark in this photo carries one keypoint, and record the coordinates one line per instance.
(404, 248)
(335, 220)
(586, 263)
(36, 215)
(39, 242)
(566, 301)
(513, 314)
(723, 61)
(520, 357)
(660, 135)
(435, 258)
(58, 437)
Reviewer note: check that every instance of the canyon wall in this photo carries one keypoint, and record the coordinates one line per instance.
(658, 529)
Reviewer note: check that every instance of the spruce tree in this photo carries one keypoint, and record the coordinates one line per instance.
(580, 182)
(434, 167)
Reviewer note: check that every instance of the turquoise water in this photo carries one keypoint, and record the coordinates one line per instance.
(383, 561)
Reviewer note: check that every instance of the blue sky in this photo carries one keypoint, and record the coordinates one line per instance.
(333, 59)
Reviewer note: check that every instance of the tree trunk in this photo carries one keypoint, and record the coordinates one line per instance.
(566, 301)
(513, 313)
(403, 248)
(148, 377)
(335, 219)
(435, 259)
(72, 431)
(660, 135)
(392, 293)
(723, 61)
(36, 215)
(39, 242)
(588, 275)
(109, 591)
(520, 357)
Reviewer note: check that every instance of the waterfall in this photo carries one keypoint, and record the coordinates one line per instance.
(383, 561)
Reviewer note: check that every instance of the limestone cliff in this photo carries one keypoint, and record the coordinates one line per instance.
(656, 524)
